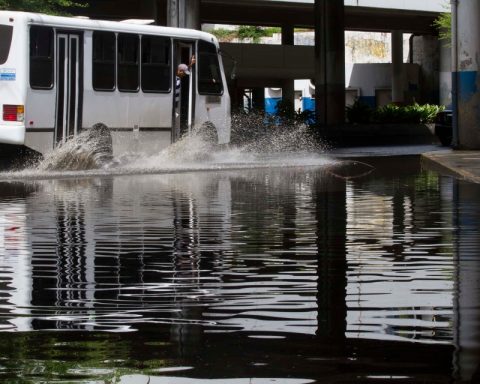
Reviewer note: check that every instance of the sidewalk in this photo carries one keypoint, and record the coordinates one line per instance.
(462, 164)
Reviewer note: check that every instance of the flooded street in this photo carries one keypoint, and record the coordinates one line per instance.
(278, 272)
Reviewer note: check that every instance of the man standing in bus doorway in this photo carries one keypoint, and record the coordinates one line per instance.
(182, 90)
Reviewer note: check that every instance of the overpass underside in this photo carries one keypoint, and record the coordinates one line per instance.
(254, 12)
(329, 19)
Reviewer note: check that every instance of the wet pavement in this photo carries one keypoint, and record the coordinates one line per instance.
(460, 163)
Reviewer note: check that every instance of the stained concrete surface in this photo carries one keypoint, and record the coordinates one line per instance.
(460, 163)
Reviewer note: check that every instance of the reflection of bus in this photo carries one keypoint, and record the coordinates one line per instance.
(60, 75)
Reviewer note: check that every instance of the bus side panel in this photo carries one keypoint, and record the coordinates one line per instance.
(139, 121)
(215, 109)
(13, 80)
(40, 119)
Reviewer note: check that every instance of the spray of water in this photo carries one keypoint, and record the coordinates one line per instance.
(91, 149)
(254, 144)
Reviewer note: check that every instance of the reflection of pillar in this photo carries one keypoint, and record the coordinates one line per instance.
(329, 62)
(467, 316)
(288, 85)
(468, 93)
(183, 13)
(331, 218)
(397, 67)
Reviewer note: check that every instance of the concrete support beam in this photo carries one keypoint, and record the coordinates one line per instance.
(288, 91)
(425, 51)
(329, 63)
(288, 86)
(397, 67)
(466, 74)
(183, 14)
(288, 35)
(258, 99)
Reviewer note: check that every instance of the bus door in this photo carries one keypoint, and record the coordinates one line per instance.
(184, 90)
(69, 85)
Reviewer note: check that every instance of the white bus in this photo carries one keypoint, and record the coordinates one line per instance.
(59, 75)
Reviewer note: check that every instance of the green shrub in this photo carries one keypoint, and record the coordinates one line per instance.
(409, 114)
(358, 112)
(412, 114)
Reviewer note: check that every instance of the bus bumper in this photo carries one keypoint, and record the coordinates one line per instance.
(12, 134)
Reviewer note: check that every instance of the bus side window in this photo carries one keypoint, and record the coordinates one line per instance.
(103, 66)
(209, 74)
(156, 72)
(128, 62)
(6, 32)
(41, 57)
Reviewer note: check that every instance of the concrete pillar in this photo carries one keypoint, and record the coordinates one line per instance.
(329, 63)
(445, 74)
(467, 75)
(288, 86)
(425, 51)
(258, 99)
(192, 14)
(149, 10)
(183, 13)
(397, 67)
(288, 35)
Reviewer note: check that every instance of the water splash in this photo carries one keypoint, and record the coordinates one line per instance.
(91, 149)
(254, 145)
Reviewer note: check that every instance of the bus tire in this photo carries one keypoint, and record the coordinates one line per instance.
(208, 132)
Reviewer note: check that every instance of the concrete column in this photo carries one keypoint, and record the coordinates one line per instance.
(258, 99)
(445, 74)
(329, 63)
(397, 67)
(425, 51)
(192, 14)
(288, 86)
(288, 35)
(172, 13)
(183, 14)
(467, 74)
(149, 10)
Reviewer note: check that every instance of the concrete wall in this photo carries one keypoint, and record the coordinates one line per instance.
(371, 78)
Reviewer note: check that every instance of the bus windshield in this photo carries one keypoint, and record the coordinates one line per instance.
(6, 32)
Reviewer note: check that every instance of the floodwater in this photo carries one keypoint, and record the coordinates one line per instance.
(276, 272)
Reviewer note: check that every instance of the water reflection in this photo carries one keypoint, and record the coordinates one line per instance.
(295, 275)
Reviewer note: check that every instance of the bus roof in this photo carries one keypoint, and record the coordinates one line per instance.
(105, 25)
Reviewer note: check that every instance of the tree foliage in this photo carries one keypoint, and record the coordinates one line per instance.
(245, 32)
(444, 25)
(54, 7)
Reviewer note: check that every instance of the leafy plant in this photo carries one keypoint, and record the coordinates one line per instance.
(392, 113)
(42, 6)
(251, 32)
(224, 35)
(444, 25)
(358, 112)
(413, 114)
